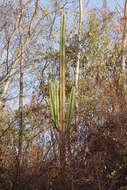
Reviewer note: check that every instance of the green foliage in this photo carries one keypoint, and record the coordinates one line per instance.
(111, 175)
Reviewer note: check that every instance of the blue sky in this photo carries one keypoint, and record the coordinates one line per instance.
(93, 3)
(111, 3)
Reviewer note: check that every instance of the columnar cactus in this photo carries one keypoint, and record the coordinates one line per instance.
(62, 73)
(54, 102)
(57, 104)
(70, 109)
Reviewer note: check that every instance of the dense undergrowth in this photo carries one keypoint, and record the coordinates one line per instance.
(97, 162)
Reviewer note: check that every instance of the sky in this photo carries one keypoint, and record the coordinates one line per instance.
(112, 4)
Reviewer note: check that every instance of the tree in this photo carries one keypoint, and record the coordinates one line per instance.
(124, 41)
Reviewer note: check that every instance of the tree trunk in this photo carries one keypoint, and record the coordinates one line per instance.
(78, 60)
(124, 42)
(77, 75)
(21, 100)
